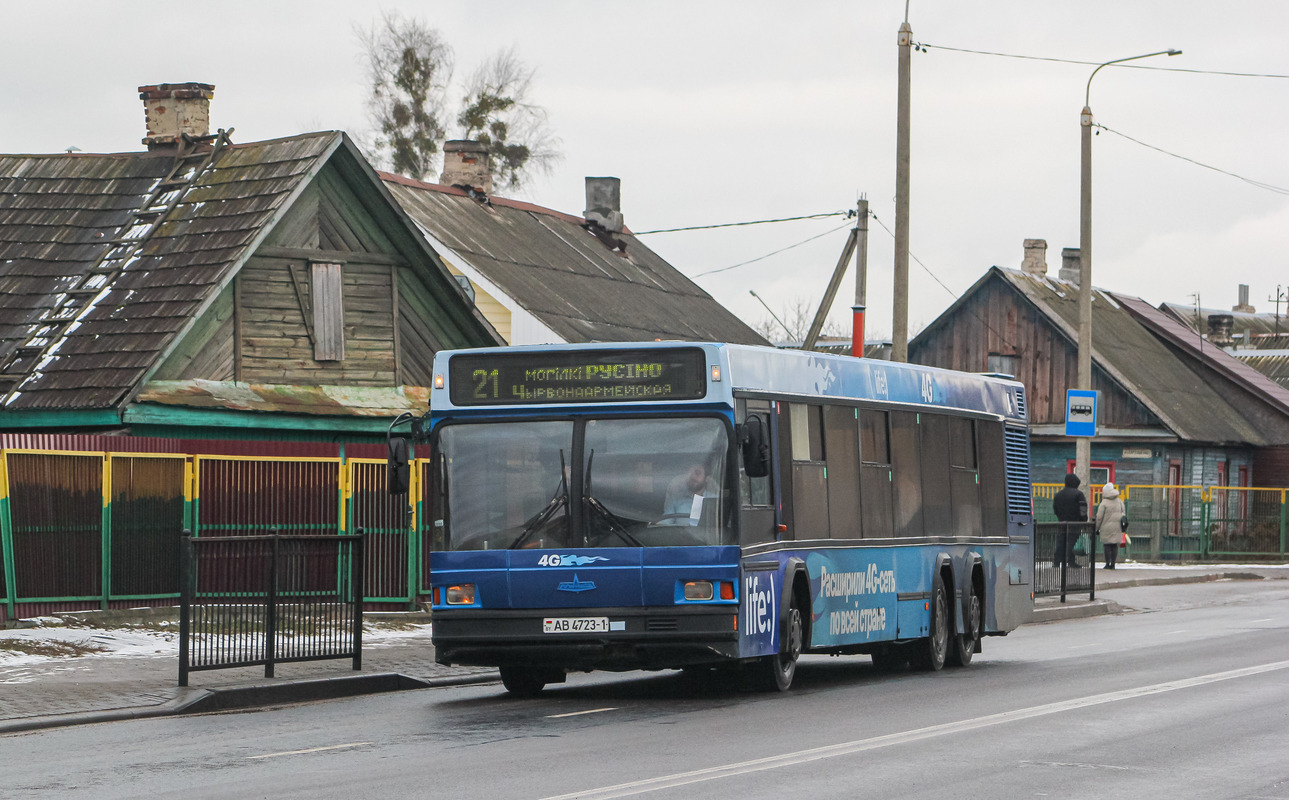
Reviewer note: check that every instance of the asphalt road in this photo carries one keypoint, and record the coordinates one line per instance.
(1189, 698)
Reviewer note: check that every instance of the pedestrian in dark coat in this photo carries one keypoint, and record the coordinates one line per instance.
(1070, 505)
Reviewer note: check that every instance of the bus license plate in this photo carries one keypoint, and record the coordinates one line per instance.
(575, 625)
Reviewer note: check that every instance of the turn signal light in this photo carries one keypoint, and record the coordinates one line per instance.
(698, 590)
(462, 595)
(727, 590)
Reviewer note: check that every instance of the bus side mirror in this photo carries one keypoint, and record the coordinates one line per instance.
(756, 448)
(398, 472)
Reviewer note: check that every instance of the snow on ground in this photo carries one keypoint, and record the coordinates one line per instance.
(53, 641)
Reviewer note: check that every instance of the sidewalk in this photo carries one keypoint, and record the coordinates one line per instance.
(123, 684)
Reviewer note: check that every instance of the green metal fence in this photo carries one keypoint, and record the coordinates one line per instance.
(82, 529)
(1188, 522)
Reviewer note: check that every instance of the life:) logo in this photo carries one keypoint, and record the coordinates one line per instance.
(760, 608)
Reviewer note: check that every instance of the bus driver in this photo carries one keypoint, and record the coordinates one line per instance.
(685, 495)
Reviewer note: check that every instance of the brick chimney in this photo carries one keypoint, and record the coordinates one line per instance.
(173, 109)
(1244, 300)
(1035, 261)
(604, 203)
(466, 164)
(1070, 265)
(1219, 329)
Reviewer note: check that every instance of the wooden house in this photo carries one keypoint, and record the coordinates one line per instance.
(242, 290)
(1169, 414)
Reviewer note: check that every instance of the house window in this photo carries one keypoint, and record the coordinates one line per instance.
(1004, 365)
(328, 312)
(1099, 474)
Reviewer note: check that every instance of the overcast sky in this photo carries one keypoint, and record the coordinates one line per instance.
(714, 112)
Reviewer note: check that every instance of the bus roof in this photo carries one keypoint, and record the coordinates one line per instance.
(750, 369)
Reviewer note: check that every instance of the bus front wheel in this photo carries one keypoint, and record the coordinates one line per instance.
(775, 673)
(522, 681)
(930, 653)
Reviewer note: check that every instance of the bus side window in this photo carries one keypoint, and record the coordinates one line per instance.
(875, 474)
(841, 443)
(993, 486)
(809, 468)
(964, 478)
(906, 468)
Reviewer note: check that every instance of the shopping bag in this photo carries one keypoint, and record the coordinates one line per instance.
(1127, 540)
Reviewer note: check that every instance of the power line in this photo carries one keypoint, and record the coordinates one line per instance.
(1259, 184)
(767, 255)
(849, 213)
(924, 46)
(968, 309)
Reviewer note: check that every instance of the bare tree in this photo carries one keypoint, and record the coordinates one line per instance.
(497, 112)
(410, 65)
(793, 323)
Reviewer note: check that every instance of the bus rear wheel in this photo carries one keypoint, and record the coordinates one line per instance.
(965, 644)
(930, 653)
(522, 681)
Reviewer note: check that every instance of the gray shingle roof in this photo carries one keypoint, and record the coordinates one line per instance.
(552, 266)
(60, 215)
(1135, 358)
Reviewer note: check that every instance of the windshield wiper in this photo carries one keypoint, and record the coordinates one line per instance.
(608, 516)
(559, 500)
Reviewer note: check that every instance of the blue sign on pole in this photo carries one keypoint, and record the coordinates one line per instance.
(1080, 412)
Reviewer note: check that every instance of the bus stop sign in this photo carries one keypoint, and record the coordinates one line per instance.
(1080, 412)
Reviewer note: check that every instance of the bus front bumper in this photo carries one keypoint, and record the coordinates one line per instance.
(639, 638)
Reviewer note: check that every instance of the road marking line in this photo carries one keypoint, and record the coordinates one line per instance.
(904, 737)
(579, 713)
(310, 750)
(1267, 619)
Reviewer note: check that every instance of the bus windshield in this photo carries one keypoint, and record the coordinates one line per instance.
(638, 483)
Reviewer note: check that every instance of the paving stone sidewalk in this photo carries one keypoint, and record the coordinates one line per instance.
(92, 684)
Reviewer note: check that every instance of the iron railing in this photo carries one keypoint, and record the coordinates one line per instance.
(1065, 555)
(265, 600)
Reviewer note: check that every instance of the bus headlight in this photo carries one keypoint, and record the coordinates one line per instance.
(461, 595)
(699, 590)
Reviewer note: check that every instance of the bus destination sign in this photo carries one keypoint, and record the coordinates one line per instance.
(594, 376)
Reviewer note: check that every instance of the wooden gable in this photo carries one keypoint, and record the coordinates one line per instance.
(340, 292)
(993, 318)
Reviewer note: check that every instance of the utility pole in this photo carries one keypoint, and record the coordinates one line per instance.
(900, 315)
(830, 294)
(861, 281)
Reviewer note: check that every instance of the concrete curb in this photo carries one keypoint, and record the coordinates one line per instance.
(209, 701)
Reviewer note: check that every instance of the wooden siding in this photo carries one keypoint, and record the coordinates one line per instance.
(996, 319)
(207, 351)
(277, 344)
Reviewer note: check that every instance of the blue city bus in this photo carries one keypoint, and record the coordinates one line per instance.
(699, 506)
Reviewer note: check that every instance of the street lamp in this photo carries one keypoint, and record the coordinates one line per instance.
(1083, 444)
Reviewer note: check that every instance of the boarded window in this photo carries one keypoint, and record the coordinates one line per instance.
(328, 312)
(1002, 364)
